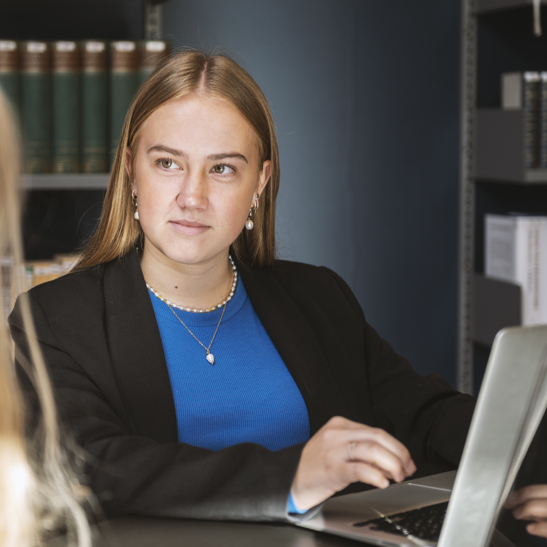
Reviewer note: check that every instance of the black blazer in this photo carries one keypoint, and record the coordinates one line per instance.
(99, 336)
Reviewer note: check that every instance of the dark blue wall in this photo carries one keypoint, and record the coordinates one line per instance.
(405, 175)
(365, 96)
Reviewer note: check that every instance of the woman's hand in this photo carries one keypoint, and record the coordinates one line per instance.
(530, 503)
(342, 452)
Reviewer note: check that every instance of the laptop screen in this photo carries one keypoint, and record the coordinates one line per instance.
(510, 406)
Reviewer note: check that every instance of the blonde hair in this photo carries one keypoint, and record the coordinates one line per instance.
(213, 75)
(37, 491)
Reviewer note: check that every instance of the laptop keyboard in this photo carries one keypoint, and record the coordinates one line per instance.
(424, 523)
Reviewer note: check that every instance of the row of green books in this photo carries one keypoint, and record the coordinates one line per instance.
(72, 97)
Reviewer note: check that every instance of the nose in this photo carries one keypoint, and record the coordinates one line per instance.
(193, 191)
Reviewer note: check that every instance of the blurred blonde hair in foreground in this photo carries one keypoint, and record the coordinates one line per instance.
(39, 493)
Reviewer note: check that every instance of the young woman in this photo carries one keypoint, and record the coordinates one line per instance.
(204, 377)
(39, 494)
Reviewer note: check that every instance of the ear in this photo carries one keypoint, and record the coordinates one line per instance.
(128, 165)
(264, 176)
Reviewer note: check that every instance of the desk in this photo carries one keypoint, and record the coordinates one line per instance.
(160, 532)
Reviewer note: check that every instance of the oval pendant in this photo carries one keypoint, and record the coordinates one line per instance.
(211, 358)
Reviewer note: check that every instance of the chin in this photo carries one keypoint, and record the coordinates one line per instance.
(189, 252)
(190, 257)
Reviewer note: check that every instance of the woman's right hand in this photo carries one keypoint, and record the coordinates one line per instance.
(530, 503)
(342, 452)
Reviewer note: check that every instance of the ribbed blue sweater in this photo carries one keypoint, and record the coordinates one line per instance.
(248, 395)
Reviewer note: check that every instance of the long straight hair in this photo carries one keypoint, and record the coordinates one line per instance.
(38, 491)
(211, 75)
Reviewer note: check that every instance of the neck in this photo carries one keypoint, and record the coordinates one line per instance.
(196, 286)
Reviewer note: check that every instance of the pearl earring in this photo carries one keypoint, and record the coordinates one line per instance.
(134, 198)
(250, 224)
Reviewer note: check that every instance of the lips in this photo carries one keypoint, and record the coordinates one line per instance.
(189, 227)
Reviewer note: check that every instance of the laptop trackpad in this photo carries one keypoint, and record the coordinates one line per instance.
(397, 498)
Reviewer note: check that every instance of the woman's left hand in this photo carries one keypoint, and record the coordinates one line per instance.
(530, 503)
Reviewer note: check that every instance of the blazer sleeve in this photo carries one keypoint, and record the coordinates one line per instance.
(136, 475)
(425, 413)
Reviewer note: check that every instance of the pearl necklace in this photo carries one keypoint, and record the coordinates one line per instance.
(208, 355)
(218, 306)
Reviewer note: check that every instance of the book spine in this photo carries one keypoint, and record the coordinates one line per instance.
(151, 53)
(6, 264)
(531, 310)
(535, 255)
(531, 89)
(123, 85)
(543, 122)
(9, 71)
(511, 90)
(35, 106)
(542, 276)
(65, 103)
(527, 267)
(500, 248)
(94, 107)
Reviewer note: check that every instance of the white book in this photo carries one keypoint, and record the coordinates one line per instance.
(516, 252)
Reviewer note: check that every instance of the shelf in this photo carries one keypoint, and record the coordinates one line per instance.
(75, 181)
(484, 6)
(499, 148)
(496, 304)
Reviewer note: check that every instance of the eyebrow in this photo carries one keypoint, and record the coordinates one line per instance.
(214, 157)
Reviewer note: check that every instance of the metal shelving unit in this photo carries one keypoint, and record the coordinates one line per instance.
(484, 6)
(61, 210)
(467, 195)
(492, 173)
(76, 181)
(499, 148)
(83, 181)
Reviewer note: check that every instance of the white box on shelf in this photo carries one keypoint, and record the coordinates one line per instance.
(516, 252)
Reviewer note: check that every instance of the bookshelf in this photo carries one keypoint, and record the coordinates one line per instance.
(62, 209)
(77, 181)
(497, 37)
(485, 6)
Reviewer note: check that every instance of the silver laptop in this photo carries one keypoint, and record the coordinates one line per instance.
(510, 406)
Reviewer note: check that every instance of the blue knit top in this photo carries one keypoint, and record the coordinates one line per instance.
(248, 395)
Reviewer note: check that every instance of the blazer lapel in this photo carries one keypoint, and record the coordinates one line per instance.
(137, 352)
(139, 362)
(295, 341)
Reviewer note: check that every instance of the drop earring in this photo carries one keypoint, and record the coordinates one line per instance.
(250, 224)
(134, 198)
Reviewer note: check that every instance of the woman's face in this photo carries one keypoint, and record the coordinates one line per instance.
(197, 169)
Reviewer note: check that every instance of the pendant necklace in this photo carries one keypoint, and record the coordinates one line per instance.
(208, 355)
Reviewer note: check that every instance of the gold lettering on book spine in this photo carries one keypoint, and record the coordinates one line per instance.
(65, 59)
(94, 57)
(9, 56)
(123, 57)
(34, 57)
(151, 54)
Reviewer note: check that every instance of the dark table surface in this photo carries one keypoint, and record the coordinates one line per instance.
(151, 532)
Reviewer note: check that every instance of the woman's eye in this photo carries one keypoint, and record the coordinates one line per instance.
(222, 169)
(167, 164)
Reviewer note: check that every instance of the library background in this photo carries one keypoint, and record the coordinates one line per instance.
(437, 216)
